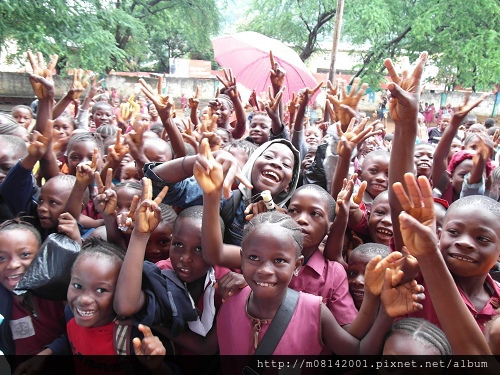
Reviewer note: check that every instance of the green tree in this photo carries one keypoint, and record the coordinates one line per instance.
(115, 34)
(298, 23)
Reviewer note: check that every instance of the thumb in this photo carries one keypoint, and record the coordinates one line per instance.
(398, 93)
(137, 346)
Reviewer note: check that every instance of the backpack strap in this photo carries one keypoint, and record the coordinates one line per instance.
(274, 333)
(122, 333)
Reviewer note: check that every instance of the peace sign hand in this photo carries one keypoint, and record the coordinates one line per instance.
(105, 201)
(405, 90)
(229, 83)
(207, 171)
(150, 351)
(163, 103)
(277, 73)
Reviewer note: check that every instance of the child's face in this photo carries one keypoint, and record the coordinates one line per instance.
(470, 241)
(423, 159)
(82, 152)
(403, 344)
(268, 260)
(8, 158)
(375, 171)
(63, 128)
(185, 250)
(260, 128)
(51, 203)
(456, 146)
(312, 135)
(308, 160)
(311, 213)
(91, 290)
(223, 112)
(129, 172)
(457, 177)
(152, 111)
(158, 247)
(473, 144)
(124, 196)
(17, 249)
(380, 222)
(142, 120)
(23, 117)
(356, 275)
(273, 169)
(103, 115)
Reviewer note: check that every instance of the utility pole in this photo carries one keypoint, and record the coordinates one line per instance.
(339, 13)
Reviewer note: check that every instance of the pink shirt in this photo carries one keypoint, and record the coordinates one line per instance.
(328, 279)
(302, 336)
(482, 317)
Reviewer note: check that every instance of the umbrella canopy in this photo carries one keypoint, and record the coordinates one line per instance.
(247, 54)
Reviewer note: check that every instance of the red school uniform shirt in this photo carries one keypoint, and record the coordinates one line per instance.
(482, 317)
(33, 329)
(327, 279)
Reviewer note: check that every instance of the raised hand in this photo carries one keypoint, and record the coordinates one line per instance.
(272, 106)
(418, 221)
(79, 84)
(462, 110)
(350, 100)
(163, 103)
(85, 170)
(38, 145)
(117, 152)
(207, 171)
(68, 225)
(105, 201)
(149, 351)
(405, 90)
(401, 299)
(41, 79)
(277, 73)
(353, 136)
(193, 102)
(344, 196)
(375, 272)
(229, 83)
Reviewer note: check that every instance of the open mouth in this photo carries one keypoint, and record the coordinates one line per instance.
(357, 293)
(462, 258)
(378, 187)
(270, 175)
(264, 284)
(14, 279)
(384, 233)
(86, 313)
(423, 165)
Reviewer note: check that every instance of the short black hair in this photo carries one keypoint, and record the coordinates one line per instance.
(330, 203)
(277, 219)
(481, 201)
(372, 248)
(86, 137)
(195, 213)
(15, 143)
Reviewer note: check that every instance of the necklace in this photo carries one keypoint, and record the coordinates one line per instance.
(256, 324)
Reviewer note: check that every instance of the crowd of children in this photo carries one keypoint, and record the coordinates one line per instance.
(370, 243)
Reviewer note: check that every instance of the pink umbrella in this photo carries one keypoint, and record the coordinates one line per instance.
(247, 54)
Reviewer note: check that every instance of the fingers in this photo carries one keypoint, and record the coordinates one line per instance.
(147, 189)
(32, 60)
(419, 68)
(373, 263)
(313, 91)
(52, 63)
(271, 58)
(97, 179)
(133, 207)
(95, 156)
(197, 92)
(358, 198)
(391, 70)
(161, 195)
(146, 331)
(403, 198)
(159, 85)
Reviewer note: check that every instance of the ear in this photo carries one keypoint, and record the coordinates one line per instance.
(439, 231)
(298, 263)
